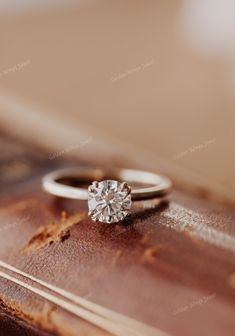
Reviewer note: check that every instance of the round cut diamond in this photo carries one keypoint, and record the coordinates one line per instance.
(109, 201)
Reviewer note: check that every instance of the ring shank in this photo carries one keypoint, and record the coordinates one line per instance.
(159, 184)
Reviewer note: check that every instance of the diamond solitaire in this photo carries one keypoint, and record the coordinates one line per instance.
(109, 201)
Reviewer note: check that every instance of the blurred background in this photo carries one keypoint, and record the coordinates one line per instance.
(144, 83)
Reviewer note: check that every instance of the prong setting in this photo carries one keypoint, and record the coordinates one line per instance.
(125, 188)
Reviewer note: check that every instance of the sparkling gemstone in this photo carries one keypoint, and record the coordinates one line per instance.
(109, 201)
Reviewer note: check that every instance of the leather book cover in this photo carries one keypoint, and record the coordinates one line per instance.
(168, 270)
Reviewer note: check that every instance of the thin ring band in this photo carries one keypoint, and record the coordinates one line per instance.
(160, 185)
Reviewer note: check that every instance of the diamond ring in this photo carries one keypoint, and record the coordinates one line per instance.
(109, 194)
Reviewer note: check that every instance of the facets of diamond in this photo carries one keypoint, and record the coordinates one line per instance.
(109, 201)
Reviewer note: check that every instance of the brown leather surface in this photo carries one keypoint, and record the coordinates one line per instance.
(11, 326)
(171, 265)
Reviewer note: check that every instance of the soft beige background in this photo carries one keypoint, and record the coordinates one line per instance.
(126, 72)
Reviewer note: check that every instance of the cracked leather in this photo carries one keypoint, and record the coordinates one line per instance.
(170, 265)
